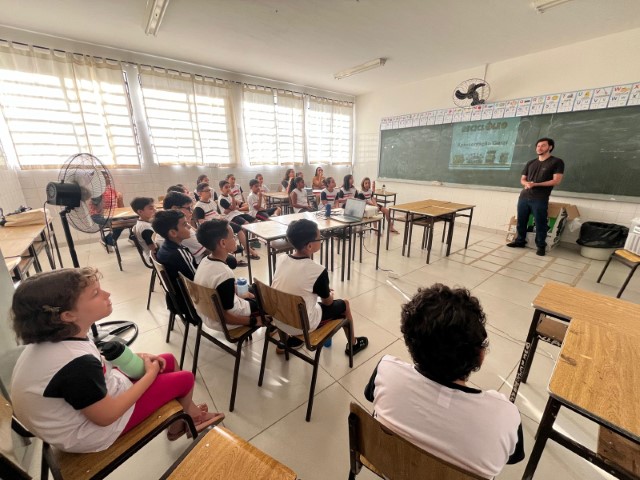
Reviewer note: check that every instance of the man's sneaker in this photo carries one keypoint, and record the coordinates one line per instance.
(515, 244)
(292, 342)
(361, 344)
(541, 251)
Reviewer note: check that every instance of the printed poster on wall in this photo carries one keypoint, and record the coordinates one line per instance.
(634, 97)
(551, 103)
(566, 102)
(600, 98)
(523, 107)
(583, 100)
(537, 104)
(498, 110)
(487, 111)
(620, 96)
(485, 145)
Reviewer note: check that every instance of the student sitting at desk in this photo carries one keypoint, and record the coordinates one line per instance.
(366, 194)
(213, 272)
(289, 175)
(429, 403)
(318, 182)
(298, 274)
(298, 197)
(236, 192)
(330, 194)
(347, 190)
(106, 202)
(257, 203)
(263, 187)
(146, 209)
(201, 179)
(229, 208)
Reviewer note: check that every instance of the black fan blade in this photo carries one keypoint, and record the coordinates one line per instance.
(461, 95)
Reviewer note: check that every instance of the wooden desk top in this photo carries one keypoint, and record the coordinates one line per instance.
(222, 454)
(597, 369)
(323, 223)
(276, 194)
(12, 262)
(122, 213)
(386, 193)
(268, 230)
(15, 240)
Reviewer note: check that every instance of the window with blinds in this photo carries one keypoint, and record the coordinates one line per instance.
(273, 126)
(329, 125)
(188, 117)
(56, 104)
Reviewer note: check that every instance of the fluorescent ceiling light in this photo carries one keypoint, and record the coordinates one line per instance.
(378, 62)
(543, 5)
(155, 11)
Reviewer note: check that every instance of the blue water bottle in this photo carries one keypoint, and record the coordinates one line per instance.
(242, 286)
(327, 210)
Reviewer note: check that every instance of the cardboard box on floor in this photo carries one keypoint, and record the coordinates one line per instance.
(558, 214)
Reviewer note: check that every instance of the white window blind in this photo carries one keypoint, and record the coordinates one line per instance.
(56, 104)
(329, 127)
(273, 126)
(189, 118)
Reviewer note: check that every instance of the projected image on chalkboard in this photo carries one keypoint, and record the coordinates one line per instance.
(600, 149)
(484, 145)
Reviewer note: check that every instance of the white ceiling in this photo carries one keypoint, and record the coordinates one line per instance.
(306, 41)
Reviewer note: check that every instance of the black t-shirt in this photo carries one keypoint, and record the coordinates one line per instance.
(538, 172)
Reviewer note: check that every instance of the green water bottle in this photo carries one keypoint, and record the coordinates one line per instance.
(123, 357)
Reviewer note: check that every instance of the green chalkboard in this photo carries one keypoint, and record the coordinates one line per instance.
(600, 148)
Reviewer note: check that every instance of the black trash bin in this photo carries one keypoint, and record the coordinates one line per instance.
(602, 235)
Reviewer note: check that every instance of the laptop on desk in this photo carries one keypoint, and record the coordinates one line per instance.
(353, 211)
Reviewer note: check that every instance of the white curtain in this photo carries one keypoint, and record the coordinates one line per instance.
(189, 117)
(290, 125)
(259, 121)
(329, 127)
(56, 104)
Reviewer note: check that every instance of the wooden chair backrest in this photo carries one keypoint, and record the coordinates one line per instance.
(205, 301)
(163, 276)
(9, 468)
(618, 450)
(285, 307)
(140, 250)
(393, 456)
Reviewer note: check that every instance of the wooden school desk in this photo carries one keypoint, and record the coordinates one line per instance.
(596, 374)
(327, 225)
(269, 232)
(431, 211)
(15, 241)
(122, 217)
(277, 199)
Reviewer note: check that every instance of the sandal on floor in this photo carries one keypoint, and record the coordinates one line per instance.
(204, 420)
(361, 344)
(254, 256)
(393, 230)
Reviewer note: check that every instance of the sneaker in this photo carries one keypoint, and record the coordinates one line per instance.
(255, 244)
(240, 249)
(293, 343)
(361, 344)
(516, 244)
(541, 251)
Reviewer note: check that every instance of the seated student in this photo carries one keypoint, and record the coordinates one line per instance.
(172, 225)
(207, 207)
(366, 194)
(298, 197)
(182, 203)
(318, 182)
(257, 203)
(229, 208)
(109, 199)
(146, 209)
(63, 390)
(263, 187)
(347, 190)
(298, 274)
(236, 192)
(201, 179)
(289, 175)
(213, 272)
(429, 403)
(330, 194)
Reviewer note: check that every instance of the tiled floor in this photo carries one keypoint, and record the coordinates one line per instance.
(272, 416)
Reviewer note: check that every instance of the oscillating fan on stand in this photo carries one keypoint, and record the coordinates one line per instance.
(86, 190)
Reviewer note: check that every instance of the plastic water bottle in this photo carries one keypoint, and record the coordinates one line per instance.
(242, 286)
(327, 210)
(328, 342)
(123, 357)
(384, 189)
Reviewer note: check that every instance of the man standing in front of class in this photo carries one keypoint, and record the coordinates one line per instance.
(539, 176)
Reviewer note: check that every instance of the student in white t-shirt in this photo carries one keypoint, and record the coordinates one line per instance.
(263, 187)
(298, 197)
(236, 192)
(429, 402)
(63, 390)
(257, 203)
(207, 207)
(213, 272)
(146, 209)
(367, 194)
(347, 190)
(329, 194)
(229, 208)
(201, 179)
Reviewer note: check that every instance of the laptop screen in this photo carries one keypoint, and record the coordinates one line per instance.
(354, 208)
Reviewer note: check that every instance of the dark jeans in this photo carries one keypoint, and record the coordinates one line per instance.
(110, 238)
(538, 208)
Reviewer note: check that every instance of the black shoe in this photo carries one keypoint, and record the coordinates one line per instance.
(361, 344)
(241, 263)
(255, 244)
(515, 244)
(292, 342)
(239, 250)
(541, 251)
